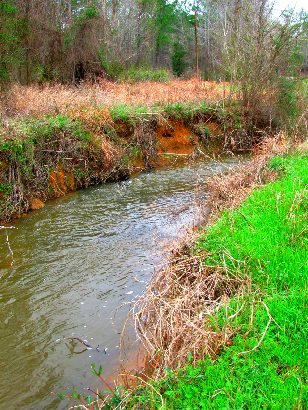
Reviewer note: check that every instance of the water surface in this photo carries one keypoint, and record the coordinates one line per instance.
(78, 264)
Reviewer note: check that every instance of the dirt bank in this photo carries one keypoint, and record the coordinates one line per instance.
(48, 157)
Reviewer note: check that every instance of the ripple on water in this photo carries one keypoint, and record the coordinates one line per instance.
(79, 262)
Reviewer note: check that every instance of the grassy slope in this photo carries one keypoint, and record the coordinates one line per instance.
(266, 240)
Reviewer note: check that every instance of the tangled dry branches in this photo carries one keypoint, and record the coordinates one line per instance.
(172, 316)
(229, 190)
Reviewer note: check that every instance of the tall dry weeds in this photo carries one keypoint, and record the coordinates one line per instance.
(59, 99)
(230, 190)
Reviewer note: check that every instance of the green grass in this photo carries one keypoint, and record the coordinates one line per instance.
(49, 126)
(27, 134)
(121, 112)
(265, 239)
(33, 130)
(178, 111)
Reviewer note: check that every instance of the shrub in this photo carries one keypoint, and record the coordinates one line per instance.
(288, 102)
(113, 68)
(139, 74)
(49, 126)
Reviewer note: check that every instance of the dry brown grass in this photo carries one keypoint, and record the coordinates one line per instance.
(173, 316)
(59, 99)
(230, 190)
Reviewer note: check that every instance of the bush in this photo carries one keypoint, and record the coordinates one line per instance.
(120, 112)
(139, 74)
(113, 68)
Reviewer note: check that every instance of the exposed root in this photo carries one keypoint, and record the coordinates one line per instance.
(144, 135)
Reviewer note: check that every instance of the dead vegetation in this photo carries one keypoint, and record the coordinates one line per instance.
(59, 99)
(172, 318)
(230, 190)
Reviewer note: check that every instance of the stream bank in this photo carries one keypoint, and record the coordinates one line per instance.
(48, 157)
(224, 323)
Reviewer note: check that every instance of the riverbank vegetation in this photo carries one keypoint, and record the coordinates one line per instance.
(225, 322)
(256, 257)
(49, 156)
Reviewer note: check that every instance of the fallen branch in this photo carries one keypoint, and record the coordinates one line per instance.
(263, 334)
(85, 342)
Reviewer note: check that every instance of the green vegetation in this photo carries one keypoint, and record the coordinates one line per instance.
(121, 112)
(264, 241)
(179, 111)
(186, 111)
(5, 188)
(139, 74)
(9, 39)
(178, 59)
(116, 70)
(38, 146)
(91, 149)
(28, 133)
(48, 126)
(288, 101)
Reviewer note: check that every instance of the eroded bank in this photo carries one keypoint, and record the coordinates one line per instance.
(45, 158)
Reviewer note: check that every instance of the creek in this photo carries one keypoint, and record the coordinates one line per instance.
(78, 265)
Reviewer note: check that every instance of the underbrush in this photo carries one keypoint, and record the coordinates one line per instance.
(59, 99)
(47, 157)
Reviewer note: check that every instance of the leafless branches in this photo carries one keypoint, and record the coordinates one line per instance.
(8, 242)
(172, 317)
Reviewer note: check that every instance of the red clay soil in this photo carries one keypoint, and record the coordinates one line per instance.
(176, 138)
(36, 203)
(61, 183)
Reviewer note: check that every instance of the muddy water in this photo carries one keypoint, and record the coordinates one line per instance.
(78, 265)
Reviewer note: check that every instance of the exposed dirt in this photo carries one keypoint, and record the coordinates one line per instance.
(61, 182)
(126, 149)
(36, 203)
(176, 138)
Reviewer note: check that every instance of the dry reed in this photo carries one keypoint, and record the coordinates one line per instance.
(231, 189)
(172, 316)
(59, 99)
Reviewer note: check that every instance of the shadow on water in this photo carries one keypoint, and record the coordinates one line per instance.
(78, 264)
